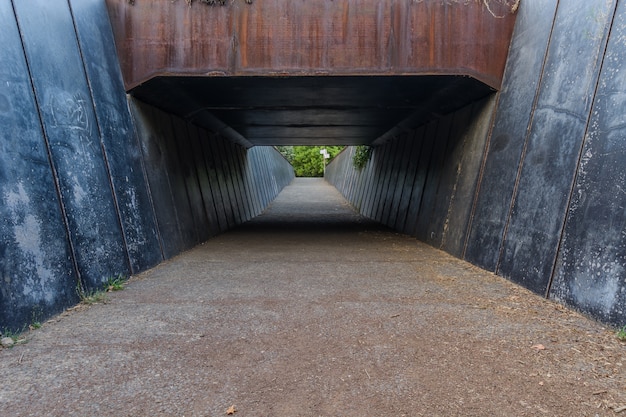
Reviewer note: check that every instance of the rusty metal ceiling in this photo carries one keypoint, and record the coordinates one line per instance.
(311, 72)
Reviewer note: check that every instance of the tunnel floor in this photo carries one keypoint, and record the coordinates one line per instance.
(312, 310)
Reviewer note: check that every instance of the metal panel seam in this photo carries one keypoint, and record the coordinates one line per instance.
(580, 153)
(525, 147)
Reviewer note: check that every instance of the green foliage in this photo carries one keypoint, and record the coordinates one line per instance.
(36, 314)
(17, 337)
(621, 334)
(100, 296)
(287, 152)
(90, 297)
(361, 156)
(308, 162)
(115, 283)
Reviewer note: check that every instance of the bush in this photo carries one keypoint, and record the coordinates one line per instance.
(361, 156)
(308, 162)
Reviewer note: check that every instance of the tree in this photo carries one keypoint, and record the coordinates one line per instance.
(308, 162)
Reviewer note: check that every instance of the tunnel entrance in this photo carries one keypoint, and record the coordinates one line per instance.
(311, 110)
(211, 89)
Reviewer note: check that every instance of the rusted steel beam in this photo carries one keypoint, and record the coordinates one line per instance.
(297, 37)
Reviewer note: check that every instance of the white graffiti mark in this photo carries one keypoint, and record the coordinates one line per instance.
(68, 111)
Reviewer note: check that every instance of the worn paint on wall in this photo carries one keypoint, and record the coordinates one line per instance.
(591, 267)
(69, 122)
(517, 97)
(554, 141)
(117, 134)
(37, 275)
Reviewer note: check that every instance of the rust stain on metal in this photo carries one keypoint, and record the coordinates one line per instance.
(342, 37)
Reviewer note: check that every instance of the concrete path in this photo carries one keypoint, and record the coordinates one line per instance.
(311, 310)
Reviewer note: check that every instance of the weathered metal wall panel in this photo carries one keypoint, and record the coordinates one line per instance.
(236, 178)
(244, 166)
(521, 78)
(334, 172)
(204, 182)
(189, 173)
(216, 186)
(434, 170)
(375, 171)
(236, 163)
(416, 144)
(418, 167)
(198, 181)
(154, 155)
(350, 185)
(413, 183)
(447, 180)
(389, 185)
(269, 183)
(320, 37)
(383, 183)
(229, 181)
(467, 175)
(259, 180)
(70, 125)
(554, 141)
(173, 134)
(341, 173)
(239, 151)
(283, 173)
(36, 269)
(254, 178)
(117, 133)
(591, 267)
(364, 178)
(227, 195)
(354, 176)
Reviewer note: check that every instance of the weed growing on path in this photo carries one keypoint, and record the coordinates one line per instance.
(9, 339)
(621, 334)
(115, 283)
(100, 296)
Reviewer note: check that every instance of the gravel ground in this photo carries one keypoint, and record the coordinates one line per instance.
(311, 310)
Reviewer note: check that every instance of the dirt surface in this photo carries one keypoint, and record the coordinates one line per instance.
(311, 310)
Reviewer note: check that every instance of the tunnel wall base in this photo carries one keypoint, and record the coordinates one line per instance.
(536, 194)
(87, 192)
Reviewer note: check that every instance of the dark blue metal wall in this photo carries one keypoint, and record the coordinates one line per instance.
(37, 275)
(552, 142)
(71, 129)
(591, 268)
(536, 194)
(201, 183)
(422, 183)
(516, 100)
(118, 139)
(85, 192)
